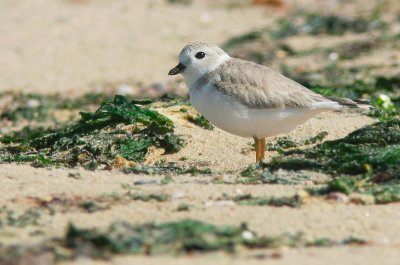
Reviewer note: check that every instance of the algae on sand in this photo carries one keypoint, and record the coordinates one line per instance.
(372, 190)
(374, 149)
(367, 161)
(316, 24)
(118, 127)
(172, 238)
(200, 121)
(41, 107)
(310, 23)
(250, 200)
(9, 217)
(184, 236)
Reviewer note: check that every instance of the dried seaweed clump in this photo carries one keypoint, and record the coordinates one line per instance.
(181, 237)
(366, 162)
(118, 128)
(373, 149)
(375, 190)
(184, 236)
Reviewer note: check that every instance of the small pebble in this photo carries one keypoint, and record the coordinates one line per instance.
(33, 103)
(238, 191)
(338, 197)
(333, 56)
(125, 90)
(178, 195)
(247, 235)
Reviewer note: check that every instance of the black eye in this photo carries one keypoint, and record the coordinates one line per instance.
(200, 55)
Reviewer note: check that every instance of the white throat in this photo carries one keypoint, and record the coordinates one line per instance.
(192, 75)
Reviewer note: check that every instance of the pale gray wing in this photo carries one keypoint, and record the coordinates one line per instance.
(259, 87)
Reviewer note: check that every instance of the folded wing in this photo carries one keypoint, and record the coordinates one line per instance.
(259, 87)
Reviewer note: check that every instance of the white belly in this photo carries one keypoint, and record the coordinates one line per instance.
(237, 119)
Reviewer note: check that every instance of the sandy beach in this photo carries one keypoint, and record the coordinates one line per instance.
(74, 47)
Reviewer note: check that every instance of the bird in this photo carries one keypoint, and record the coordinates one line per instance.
(248, 99)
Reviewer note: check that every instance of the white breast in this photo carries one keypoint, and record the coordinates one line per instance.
(231, 116)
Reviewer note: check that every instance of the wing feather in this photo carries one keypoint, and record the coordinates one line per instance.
(259, 87)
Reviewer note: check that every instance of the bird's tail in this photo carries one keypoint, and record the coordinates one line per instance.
(353, 104)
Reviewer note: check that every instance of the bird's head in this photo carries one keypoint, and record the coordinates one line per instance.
(197, 59)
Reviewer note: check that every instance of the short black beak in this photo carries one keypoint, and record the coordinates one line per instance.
(177, 69)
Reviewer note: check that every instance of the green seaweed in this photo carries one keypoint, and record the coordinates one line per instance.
(25, 135)
(201, 121)
(171, 143)
(316, 24)
(90, 206)
(353, 50)
(336, 25)
(181, 2)
(371, 149)
(166, 169)
(120, 110)
(97, 138)
(345, 50)
(251, 175)
(381, 192)
(367, 161)
(249, 200)
(284, 28)
(29, 107)
(242, 39)
(40, 107)
(384, 194)
(172, 238)
(134, 149)
(257, 174)
(184, 207)
(283, 143)
(9, 217)
(167, 180)
(169, 99)
(290, 179)
(149, 197)
(184, 236)
(346, 185)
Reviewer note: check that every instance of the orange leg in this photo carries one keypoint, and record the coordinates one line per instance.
(262, 148)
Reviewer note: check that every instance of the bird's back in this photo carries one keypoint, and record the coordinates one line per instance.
(259, 87)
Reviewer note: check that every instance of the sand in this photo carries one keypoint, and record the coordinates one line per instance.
(74, 47)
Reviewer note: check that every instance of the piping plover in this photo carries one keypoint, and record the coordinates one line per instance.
(248, 99)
